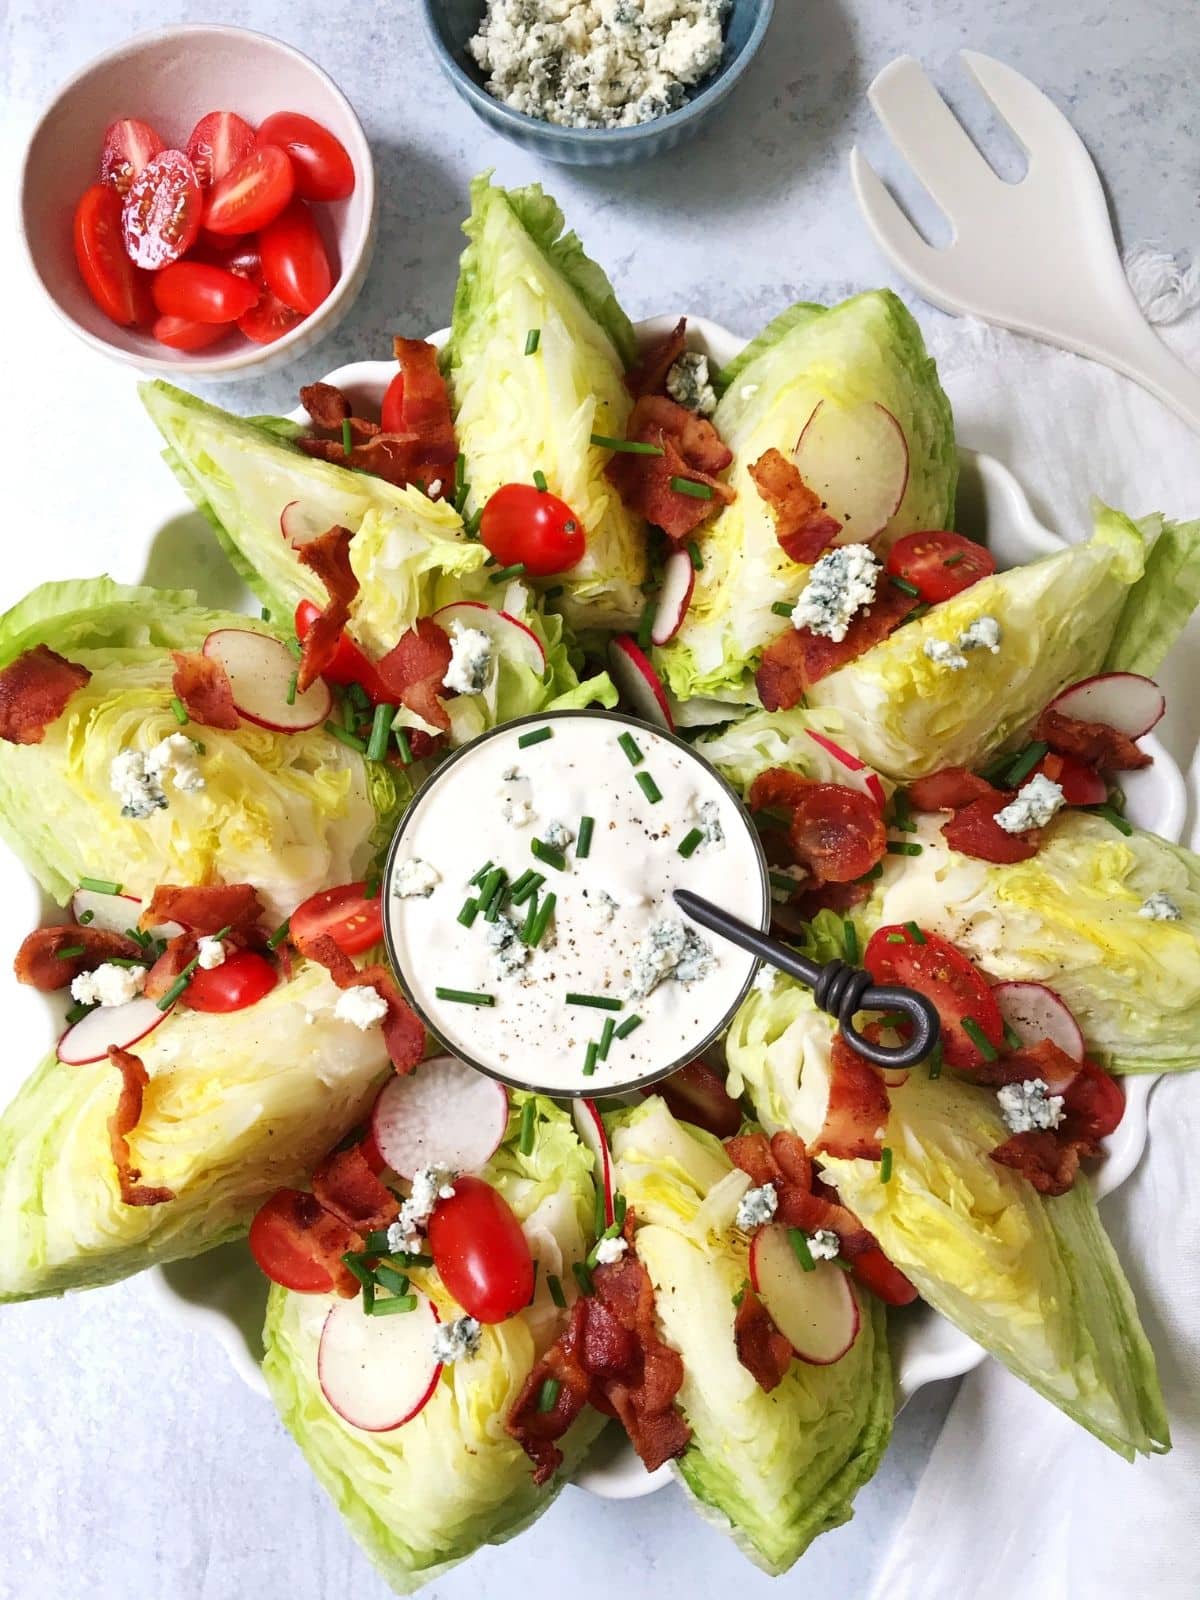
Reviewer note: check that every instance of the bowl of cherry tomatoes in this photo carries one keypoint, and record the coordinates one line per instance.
(200, 201)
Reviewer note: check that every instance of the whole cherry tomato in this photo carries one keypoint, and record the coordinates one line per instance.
(522, 523)
(480, 1251)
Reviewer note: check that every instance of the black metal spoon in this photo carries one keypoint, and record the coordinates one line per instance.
(839, 989)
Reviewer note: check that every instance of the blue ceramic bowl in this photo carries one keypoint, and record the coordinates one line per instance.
(450, 23)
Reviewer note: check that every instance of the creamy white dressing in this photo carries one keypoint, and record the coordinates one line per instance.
(607, 904)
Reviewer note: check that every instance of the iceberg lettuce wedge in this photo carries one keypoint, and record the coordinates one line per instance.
(772, 1470)
(1160, 603)
(866, 350)
(421, 1498)
(798, 739)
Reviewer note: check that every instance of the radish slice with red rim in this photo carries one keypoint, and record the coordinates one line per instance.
(300, 525)
(815, 1309)
(261, 670)
(1125, 701)
(90, 1038)
(115, 913)
(858, 775)
(589, 1125)
(1034, 1013)
(637, 682)
(674, 597)
(444, 1114)
(378, 1372)
(512, 638)
(856, 459)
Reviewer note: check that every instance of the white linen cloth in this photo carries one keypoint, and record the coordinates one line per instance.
(1016, 1499)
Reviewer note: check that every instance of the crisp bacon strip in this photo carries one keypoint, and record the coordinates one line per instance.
(949, 790)
(1044, 1060)
(204, 687)
(692, 448)
(349, 1190)
(325, 404)
(858, 1108)
(764, 1352)
(39, 964)
(1049, 1164)
(34, 691)
(837, 833)
(649, 376)
(414, 668)
(799, 658)
(974, 831)
(121, 1124)
(426, 409)
(537, 1431)
(204, 909)
(802, 525)
(328, 556)
(1092, 742)
(403, 1031)
(803, 1201)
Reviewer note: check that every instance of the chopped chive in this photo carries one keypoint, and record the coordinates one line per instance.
(902, 817)
(470, 910)
(693, 550)
(528, 1120)
(782, 609)
(914, 615)
(473, 883)
(896, 938)
(138, 937)
(582, 1277)
(904, 847)
(601, 1002)
(534, 736)
(350, 717)
(547, 853)
(645, 625)
(952, 561)
(381, 726)
(741, 1293)
(850, 939)
(465, 997)
(914, 933)
(885, 1165)
(491, 892)
(354, 1261)
(583, 844)
(471, 525)
(799, 1243)
(632, 749)
(293, 645)
(648, 787)
(460, 474)
(631, 447)
(606, 1037)
(555, 1287)
(88, 916)
(375, 1243)
(530, 925)
(1109, 815)
(781, 881)
(620, 1206)
(548, 1394)
(372, 884)
(996, 768)
(1026, 761)
(291, 689)
(347, 440)
(907, 588)
(77, 1012)
(626, 1028)
(265, 614)
(694, 490)
(113, 961)
(553, 592)
(935, 1060)
(180, 984)
(69, 950)
(542, 920)
(532, 340)
(875, 872)
(687, 845)
(180, 710)
(389, 1278)
(503, 574)
(393, 1304)
(526, 888)
(539, 481)
(589, 1058)
(1012, 1038)
(100, 885)
(979, 1039)
(350, 740)
(401, 737)
(280, 934)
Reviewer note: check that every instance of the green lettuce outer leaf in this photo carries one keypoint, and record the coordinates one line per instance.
(867, 349)
(1157, 608)
(1035, 1281)
(422, 1498)
(224, 1124)
(772, 1470)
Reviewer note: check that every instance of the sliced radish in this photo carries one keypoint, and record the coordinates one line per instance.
(589, 1125)
(816, 1311)
(637, 682)
(445, 1114)
(378, 1372)
(114, 913)
(300, 525)
(856, 458)
(513, 639)
(260, 671)
(89, 1039)
(1036, 1013)
(674, 598)
(1122, 700)
(893, 1077)
(859, 775)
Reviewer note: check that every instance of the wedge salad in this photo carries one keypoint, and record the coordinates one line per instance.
(469, 1279)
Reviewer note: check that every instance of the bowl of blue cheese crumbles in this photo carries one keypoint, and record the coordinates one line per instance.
(596, 82)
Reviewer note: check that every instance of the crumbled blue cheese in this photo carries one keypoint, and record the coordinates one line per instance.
(108, 985)
(605, 907)
(982, 634)
(509, 951)
(1029, 1105)
(688, 383)
(610, 1250)
(597, 63)
(823, 1244)
(362, 1005)
(944, 654)
(841, 583)
(515, 797)
(557, 834)
(756, 1207)
(669, 950)
(139, 779)
(453, 1340)
(210, 953)
(710, 824)
(765, 979)
(1034, 805)
(415, 877)
(470, 660)
(1159, 907)
(429, 1185)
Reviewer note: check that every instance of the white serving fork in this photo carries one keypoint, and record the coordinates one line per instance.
(1037, 255)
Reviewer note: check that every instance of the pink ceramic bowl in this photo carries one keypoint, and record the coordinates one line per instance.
(170, 79)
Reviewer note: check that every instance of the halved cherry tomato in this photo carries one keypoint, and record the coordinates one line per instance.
(251, 194)
(217, 143)
(975, 832)
(948, 789)
(202, 293)
(876, 1273)
(939, 564)
(934, 968)
(244, 260)
(277, 1250)
(180, 334)
(349, 665)
(320, 160)
(480, 1252)
(242, 978)
(119, 288)
(1093, 1102)
(351, 920)
(161, 217)
(697, 1094)
(371, 1154)
(1081, 785)
(391, 413)
(128, 145)
(268, 319)
(524, 523)
(294, 260)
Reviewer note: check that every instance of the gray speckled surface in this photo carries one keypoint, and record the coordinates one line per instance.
(131, 1460)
